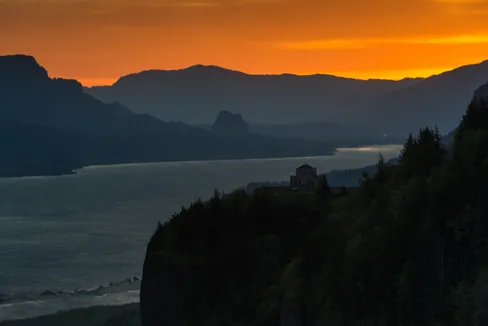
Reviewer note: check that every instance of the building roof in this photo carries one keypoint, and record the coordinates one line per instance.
(305, 166)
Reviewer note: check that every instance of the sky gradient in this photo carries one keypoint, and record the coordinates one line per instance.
(97, 41)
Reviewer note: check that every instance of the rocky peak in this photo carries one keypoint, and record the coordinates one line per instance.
(231, 123)
(17, 68)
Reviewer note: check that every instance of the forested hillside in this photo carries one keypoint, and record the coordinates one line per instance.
(408, 247)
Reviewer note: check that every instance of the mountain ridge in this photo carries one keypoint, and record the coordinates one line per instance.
(434, 101)
(99, 133)
(196, 98)
(215, 68)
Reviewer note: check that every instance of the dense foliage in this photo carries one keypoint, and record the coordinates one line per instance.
(407, 247)
(234, 248)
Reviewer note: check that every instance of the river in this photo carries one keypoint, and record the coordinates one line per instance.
(65, 236)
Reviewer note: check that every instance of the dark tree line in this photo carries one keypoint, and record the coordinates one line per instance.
(407, 247)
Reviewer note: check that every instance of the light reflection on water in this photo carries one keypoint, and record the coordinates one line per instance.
(377, 149)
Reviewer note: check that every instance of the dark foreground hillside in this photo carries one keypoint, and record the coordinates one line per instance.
(214, 261)
(408, 247)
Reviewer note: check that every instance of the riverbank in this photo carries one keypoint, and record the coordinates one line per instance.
(125, 315)
(72, 171)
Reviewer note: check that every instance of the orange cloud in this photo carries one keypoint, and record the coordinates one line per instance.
(365, 43)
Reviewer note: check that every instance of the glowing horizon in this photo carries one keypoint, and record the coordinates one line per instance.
(386, 75)
(98, 41)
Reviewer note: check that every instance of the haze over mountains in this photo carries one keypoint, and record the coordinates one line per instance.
(50, 126)
(54, 123)
(196, 94)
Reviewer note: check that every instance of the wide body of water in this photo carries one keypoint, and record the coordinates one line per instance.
(60, 235)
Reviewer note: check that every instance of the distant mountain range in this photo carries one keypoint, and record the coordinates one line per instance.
(51, 126)
(371, 107)
(341, 135)
(351, 177)
(438, 100)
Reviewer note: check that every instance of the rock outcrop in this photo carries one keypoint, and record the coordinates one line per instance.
(22, 69)
(230, 123)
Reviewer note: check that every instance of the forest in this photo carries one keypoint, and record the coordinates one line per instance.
(407, 247)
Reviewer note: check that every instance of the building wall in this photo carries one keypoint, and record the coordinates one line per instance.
(306, 179)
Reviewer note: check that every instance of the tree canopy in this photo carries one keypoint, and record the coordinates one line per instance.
(408, 247)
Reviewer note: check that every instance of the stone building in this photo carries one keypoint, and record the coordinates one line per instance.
(305, 178)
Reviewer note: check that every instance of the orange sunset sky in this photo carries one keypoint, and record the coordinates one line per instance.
(97, 41)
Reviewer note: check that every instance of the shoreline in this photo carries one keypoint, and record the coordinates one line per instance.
(51, 302)
(120, 315)
(75, 171)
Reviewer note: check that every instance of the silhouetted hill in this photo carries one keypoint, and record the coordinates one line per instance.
(28, 150)
(438, 100)
(195, 95)
(21, 70)
(65, 128)
(230, 123)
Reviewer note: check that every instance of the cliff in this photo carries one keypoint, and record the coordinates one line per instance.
(407, 247)
(214, 262)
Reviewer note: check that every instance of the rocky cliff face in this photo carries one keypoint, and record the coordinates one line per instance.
(230, 261)
(161, 296)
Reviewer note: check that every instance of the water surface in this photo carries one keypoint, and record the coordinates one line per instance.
(90, 229)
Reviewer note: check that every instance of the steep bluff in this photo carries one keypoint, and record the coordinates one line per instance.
(406, 247)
